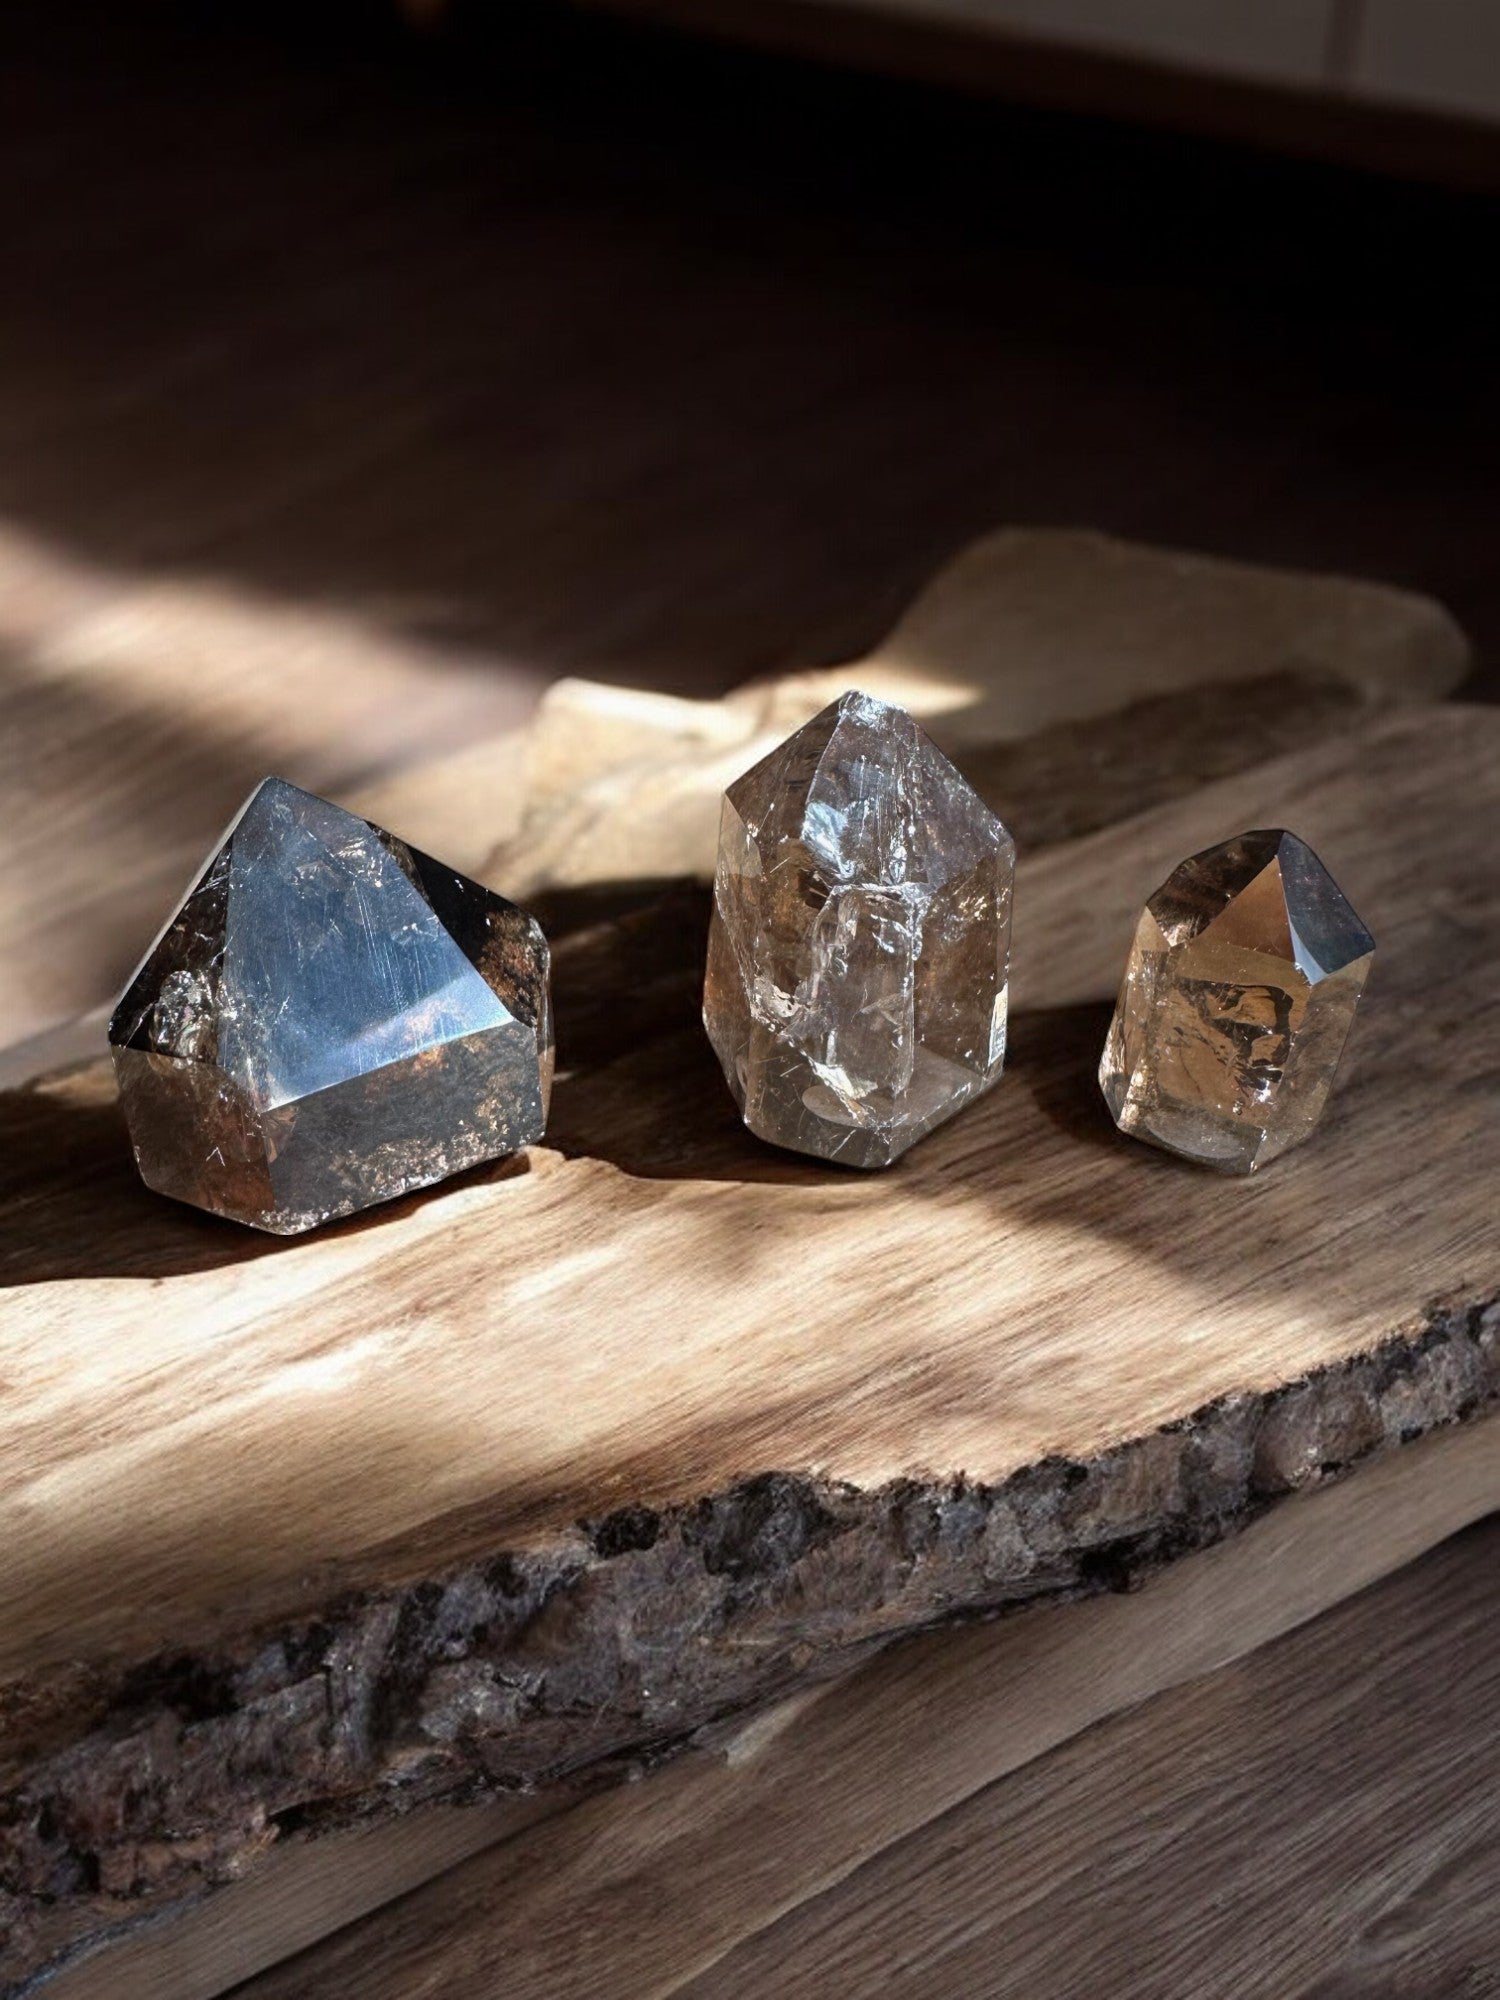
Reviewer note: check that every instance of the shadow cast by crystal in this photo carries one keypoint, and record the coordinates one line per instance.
(1054, 1055)
(72, 1205)
(638, 1085)
(638, 1088)
(69, 1187)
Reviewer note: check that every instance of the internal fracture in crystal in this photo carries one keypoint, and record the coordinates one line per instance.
(1241, 986)
(857, 958)
(330, 1019)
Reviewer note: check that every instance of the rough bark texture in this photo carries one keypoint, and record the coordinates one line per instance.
(526, 1670)
(323, 523)
(294, 1540)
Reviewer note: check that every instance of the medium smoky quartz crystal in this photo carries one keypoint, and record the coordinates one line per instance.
(1241, 986)
(856, 982)
(330, 1019)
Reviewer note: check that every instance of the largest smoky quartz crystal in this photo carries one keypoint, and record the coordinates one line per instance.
(330, 1019)
(856, 983)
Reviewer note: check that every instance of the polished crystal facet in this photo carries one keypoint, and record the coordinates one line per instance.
(1242, 982)
(861, 928)
(330, 1019)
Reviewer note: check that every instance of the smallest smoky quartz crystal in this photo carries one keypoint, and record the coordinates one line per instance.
(1241, 986)
(330, 1019)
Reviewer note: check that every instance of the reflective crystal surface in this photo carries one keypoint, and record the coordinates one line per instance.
(1243, 978)
(330, 1019)
(857, 956)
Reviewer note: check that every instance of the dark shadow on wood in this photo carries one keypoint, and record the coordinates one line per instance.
(73, 1206)
(1054, 1054)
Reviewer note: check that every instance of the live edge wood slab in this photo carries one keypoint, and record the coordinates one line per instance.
(636, 1892)
(535, 1475)
(1089, 1799)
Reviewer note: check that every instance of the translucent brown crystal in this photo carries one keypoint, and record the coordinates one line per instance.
(330, 1019)
(856, 984)
(1242, 982)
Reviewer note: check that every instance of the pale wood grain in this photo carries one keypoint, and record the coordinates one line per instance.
(251, 1456)
(1035, 1358)
(720, 1868)
(1023, 634)
(140, 714)
(292, 1897)
(1000, 1322)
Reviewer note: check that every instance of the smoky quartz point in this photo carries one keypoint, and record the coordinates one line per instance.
(858, 949)
(330, 1019)
(1241, 986)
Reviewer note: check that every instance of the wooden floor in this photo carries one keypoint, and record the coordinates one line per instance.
(582, 347)
(1317, 1822)
(369, 381)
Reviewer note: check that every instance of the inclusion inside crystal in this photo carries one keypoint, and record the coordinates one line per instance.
(1243, 978)
(330, 1019)
(856, 982)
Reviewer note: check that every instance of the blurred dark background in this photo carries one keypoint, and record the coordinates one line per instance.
(357, 379)
(576, 344)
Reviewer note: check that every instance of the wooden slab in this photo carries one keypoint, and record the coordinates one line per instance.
(1033, 656)
(554, 1464)
(655, 1884)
